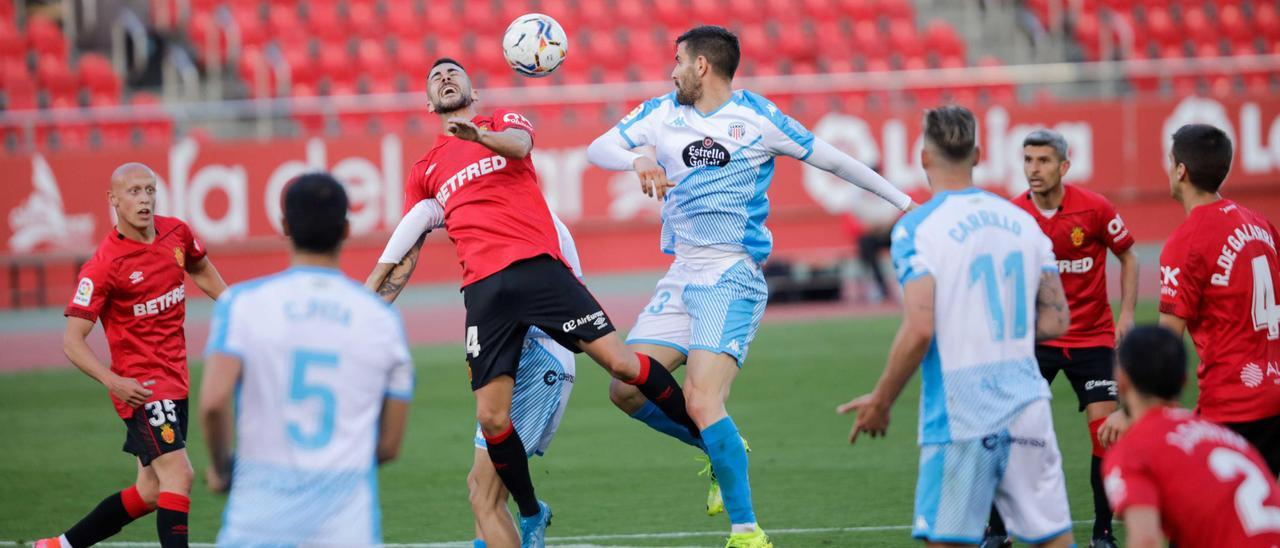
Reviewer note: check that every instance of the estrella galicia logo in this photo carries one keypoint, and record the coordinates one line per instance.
(706, 152)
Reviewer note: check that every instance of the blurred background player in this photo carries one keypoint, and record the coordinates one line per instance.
(1177, 476)
(135, 284)
(514, 275)
(544, 379)
(321, 379)
(715, 153)
(965, 260)
(1082, 225)
(1217, 280)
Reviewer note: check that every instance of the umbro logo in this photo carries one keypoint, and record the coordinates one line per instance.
(430, 168)
(1169, 275)
(136, 276)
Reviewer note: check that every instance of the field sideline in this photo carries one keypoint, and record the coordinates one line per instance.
(610, 480)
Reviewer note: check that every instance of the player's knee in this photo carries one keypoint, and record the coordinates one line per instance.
(703, 408)
(148, 491)
(493, 421)
(174, 472)
(623, 365)
(626, 397)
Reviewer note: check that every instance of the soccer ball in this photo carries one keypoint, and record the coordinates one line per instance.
(535, 45)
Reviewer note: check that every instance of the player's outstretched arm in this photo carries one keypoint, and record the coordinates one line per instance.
(391, 427)
(1142, 527)
(221, 374)
(207, 278)
(393, 277)
(424, 217)
(511, 142)
(77, 350)
(831, 159)
(1128, 292)
(611, 151)
(1053, 317)
(908, 350)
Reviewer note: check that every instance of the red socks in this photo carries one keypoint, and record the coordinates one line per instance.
(133, 503)
(1094, 426)
(171, 519)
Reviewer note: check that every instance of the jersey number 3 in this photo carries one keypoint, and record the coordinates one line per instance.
(983, 270)
(1266, 312)
(302, 390)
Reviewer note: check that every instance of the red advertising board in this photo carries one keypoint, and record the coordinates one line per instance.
(55, 202)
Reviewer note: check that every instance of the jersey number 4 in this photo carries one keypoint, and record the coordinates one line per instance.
(983, 270)
(1266, 312)
(1251, 494)
(473, 341)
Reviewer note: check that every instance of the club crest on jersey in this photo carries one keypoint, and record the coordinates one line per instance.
(84, 292)
(180, 257)
(166, 433)
(737, 130)
(706, 152)
(1077, 236)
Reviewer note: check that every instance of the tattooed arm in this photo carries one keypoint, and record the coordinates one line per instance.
(389, 279)
(1052, 315)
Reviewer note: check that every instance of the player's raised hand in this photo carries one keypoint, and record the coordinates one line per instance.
(653, 180)
(128, 391)
(462, 128)
(872, 416)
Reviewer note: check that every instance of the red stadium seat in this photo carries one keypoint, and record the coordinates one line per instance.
(1161, 27)
(903, 39)
(478, 15)
(941, 37)
(253, 34)
(365, 21)
(1234, 26)
(671, 13)
(1267, 20)
(796, 42)
(782, 11)
(1197, 26)
(336, 65)
(13, 45)
(754, 40)
(45, 37)
(302, 68)
(98, 75)
(152, 132)
(868, 42)
(19, 94)
(58, 80)
(285, 24)
(412, 60)
(898, 10)
(310, 123)
(373, 60)
(1087, 34)
(442, 23)
(113, 133)
(821, 10)
(859, 10)
(706, 10)
(327, 24)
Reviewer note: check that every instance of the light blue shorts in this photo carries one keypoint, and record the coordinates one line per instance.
(543, 383)
(713, 305)
(1019, 469)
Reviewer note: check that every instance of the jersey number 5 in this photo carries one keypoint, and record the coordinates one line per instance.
(983, 270)
(301, 390)
(161, 410)
(1251, 495)
(1266, 312)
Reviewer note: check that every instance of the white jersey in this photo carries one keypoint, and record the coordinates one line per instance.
(986, 256)
(319, 353)
(721, 164)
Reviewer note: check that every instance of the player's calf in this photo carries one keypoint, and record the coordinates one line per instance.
(173, 503)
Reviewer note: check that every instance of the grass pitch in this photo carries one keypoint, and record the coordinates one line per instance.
(610, 480)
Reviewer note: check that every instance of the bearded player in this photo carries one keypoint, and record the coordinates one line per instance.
(715, 160)
(135, 283)
(514, 275)
(1177, 476)
(1218, 278)
(1083, 225)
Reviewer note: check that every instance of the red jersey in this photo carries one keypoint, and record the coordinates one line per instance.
(1085, 226)
(493, 209)
(1210, 486)
(138, 291)
(1218, 272)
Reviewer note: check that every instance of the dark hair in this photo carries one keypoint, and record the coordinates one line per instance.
(1047, 138)
(446, 61)
(717, 44)
(952, 129)
(315, 210)
(1155, 361)
(1206, 151)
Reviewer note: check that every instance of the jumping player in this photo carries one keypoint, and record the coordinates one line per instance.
(321, 379)
(1178, 476)
(135, 282)
(1218, 279)
(514, 275)
(980, 287)
(715, 156)
(544, 379)
(1082, 225)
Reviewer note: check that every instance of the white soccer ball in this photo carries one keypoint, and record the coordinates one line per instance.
(535, 45)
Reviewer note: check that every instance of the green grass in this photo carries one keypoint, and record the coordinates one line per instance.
(605, 473)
